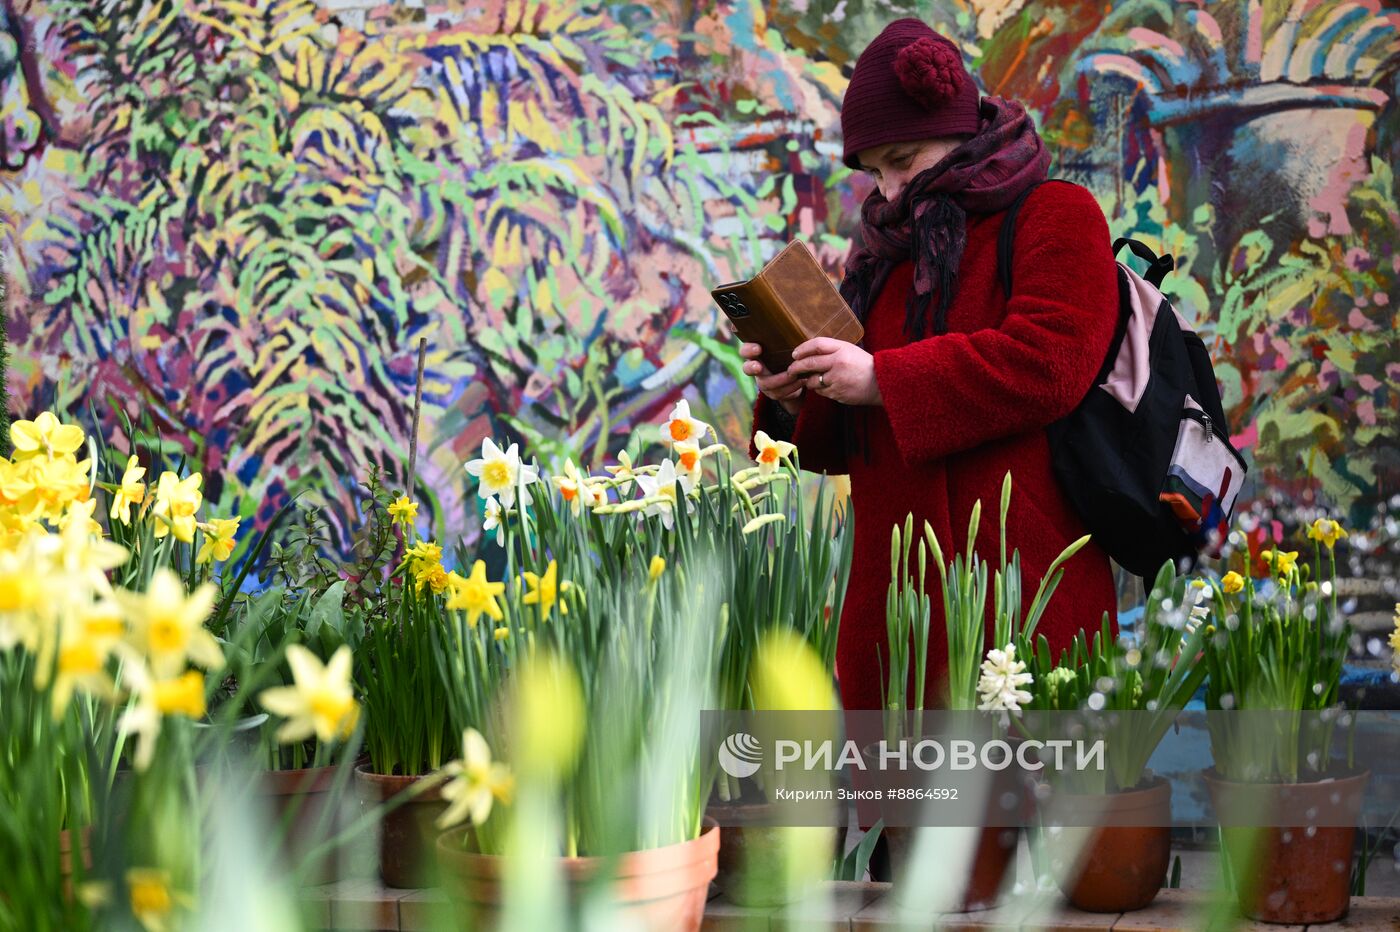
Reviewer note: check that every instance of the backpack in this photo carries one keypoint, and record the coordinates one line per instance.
(1145, 459)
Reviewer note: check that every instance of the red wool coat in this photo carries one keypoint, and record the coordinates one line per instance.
(960, 410)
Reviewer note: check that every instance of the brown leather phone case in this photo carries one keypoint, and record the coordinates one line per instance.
(788, 303)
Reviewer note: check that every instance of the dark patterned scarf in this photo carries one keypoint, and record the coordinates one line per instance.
(928, 221)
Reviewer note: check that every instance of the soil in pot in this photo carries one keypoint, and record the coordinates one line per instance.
(305, 796)
(1293, 874)
(407, 832)
(658, 890)
(1112, 853)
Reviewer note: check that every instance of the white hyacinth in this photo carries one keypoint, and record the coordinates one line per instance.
(1199, 600)
(1002, 678)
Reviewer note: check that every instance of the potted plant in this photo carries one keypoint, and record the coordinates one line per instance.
(396, 597)
(576, 682)
(982, 676)
(1275, 660)
(1111, 827)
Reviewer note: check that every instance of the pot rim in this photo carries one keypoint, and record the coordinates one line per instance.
(1211, 775)
(667, 858)
(1152, 785)
(389, 785)
(300, 780)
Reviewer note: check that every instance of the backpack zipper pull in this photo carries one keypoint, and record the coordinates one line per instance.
(1205, 422)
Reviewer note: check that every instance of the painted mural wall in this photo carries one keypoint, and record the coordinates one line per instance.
(231, 222)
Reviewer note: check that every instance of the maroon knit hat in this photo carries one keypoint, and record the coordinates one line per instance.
(910, 83)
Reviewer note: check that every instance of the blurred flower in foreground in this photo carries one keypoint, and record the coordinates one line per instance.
(321, 701)
(477, 783)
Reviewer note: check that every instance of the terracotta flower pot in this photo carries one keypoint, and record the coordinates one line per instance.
(406, 833)
(659, 890)
(66, 852)
(752, 853)
(306, 795)
(1300, 873)
(1112, 855)
(993, 856)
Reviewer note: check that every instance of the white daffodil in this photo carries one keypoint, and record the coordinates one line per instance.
(500, 471)
(1002, 678)
(570, 486)
(770, 452)
(595, 492)
(622, 472)
(477, 783)
(157, 698)
(494, 514)
(681, 427)
(322, 701)
(689, 459)
(660, 492)
(167, 627)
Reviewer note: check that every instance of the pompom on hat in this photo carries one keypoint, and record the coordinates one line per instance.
(909, 84)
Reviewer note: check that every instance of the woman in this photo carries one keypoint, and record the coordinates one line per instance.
(954, 383)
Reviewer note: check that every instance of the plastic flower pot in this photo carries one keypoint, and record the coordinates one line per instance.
(407, 832)
(1114, 849)
(305, 796)
(659, 890)
(1299, 873)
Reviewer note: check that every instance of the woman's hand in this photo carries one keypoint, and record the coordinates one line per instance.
(837, 370)
(783, 387)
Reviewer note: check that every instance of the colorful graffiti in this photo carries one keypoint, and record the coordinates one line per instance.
(234, 221)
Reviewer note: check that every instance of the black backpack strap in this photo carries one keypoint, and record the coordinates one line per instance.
(1157, 266)
(1008, 233)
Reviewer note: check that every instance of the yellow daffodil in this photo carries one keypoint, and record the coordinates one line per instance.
(23, 596)
(657, 567)
(81, 513)
(82, 555)
(770, 452)
(548, 715)
(218, 539)
(156, 699)
(132, 491)
(1326, 531)
(762, 521)
(492, 521)
(475, 595)
(1282, 562)
(501, 633)
(45, 436)
(500, 471)
(545, 590)
(476, 783)
(570, 486)
(622, 472)
(57, 482)
(423, 552)
(153, 900)
(16, 484)
(167, 627)
(788, 675)
(403, 511)
(177, 500)
(81, 663)
(1232, 582)
(322, 701)
(680, 426)
(432, 576)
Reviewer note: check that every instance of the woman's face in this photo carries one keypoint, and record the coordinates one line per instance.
(895, 163)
